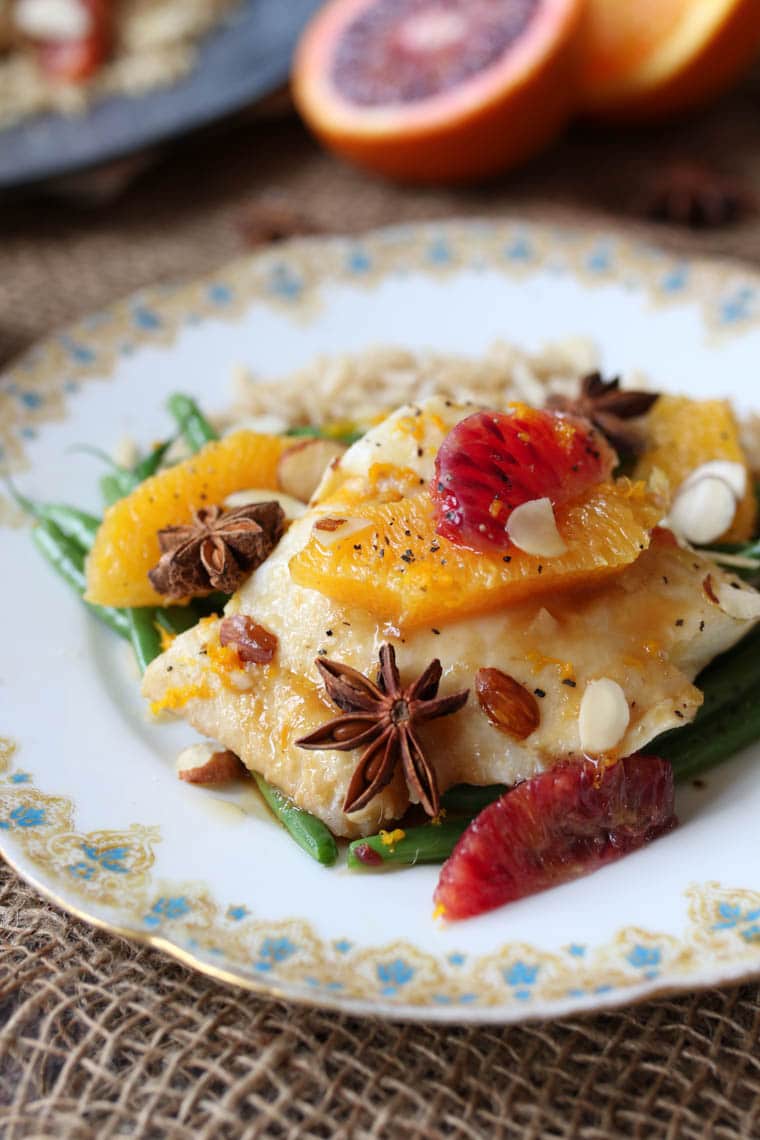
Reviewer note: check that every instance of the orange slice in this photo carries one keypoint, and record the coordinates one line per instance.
(126, 546)
(683, 434)
(649, 58)
(399, 568)
(445, 91)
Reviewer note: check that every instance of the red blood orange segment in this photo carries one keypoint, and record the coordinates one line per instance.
(492, 462)
(555, 827)
(401, 570)
(432, 90)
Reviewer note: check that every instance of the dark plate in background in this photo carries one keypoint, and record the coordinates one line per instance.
(246, 57)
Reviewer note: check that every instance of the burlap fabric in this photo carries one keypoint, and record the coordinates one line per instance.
(101, 1039)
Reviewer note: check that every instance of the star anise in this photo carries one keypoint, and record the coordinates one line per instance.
(217, 551)
(692, 194)
(383, 717)
(609, 408)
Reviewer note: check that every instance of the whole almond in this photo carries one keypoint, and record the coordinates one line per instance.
(509, 706)
(208, 766)
(254, 644)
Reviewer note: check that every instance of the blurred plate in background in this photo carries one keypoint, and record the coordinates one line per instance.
(244, 58)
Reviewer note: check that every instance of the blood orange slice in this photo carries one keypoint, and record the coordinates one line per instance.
(435, 90)
(551, 829)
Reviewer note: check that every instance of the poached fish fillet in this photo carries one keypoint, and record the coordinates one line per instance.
(651, 628)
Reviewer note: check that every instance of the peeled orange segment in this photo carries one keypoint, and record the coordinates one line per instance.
(401, 570)
(657, 57)
(438, 90)
(684, 434)
(126, 546)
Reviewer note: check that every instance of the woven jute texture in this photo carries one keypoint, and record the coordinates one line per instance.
(100, 1038)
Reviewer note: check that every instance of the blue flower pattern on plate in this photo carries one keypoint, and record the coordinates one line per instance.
(24, 816)
(521, 976)
(393, 975)
(272, 952)
(169, 908)
(746, 923)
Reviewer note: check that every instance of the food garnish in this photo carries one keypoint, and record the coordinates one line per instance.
(207, 765)
(400, 569)
(603, 717)
(302, 466)
(493, 462)
(384, 717)
(609, 408)
(509, 706)
(682, 436)
(126, 546)
(564, 823)
(217, 551)
(254, 644)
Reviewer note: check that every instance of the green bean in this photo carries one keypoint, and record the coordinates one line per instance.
(310, 431)
(469, 799)
(115, 485)
(177, 619)
(211, 604)
(67, 558)
(431, 843)
(70, 521)
(731, 684)
(193, 425)
(711, 739)
(150, 464)
(730, 676)
(309, 833)
(144, 636)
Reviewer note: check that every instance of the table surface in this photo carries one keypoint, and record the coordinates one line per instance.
(100, 1038)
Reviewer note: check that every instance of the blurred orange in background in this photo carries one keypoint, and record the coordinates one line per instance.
(454, 90)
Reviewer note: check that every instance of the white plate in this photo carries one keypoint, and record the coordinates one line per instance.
(91, 810)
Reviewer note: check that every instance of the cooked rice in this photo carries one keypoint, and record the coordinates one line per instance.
(156, 44)
(357, 388)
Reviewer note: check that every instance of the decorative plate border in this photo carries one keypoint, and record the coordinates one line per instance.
(106, 870)
(35, 390)
(98, 872)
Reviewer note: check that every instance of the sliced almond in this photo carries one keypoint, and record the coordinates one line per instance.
(532, 527)
(509, 706)
(301, 467)
(332, 529)
(293, 508)
(603, 717)
(703, 510)
(208, 764)
(734, 599)
(735, 474)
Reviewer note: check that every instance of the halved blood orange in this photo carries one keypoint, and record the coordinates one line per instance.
(654, 58)
(438, 90)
